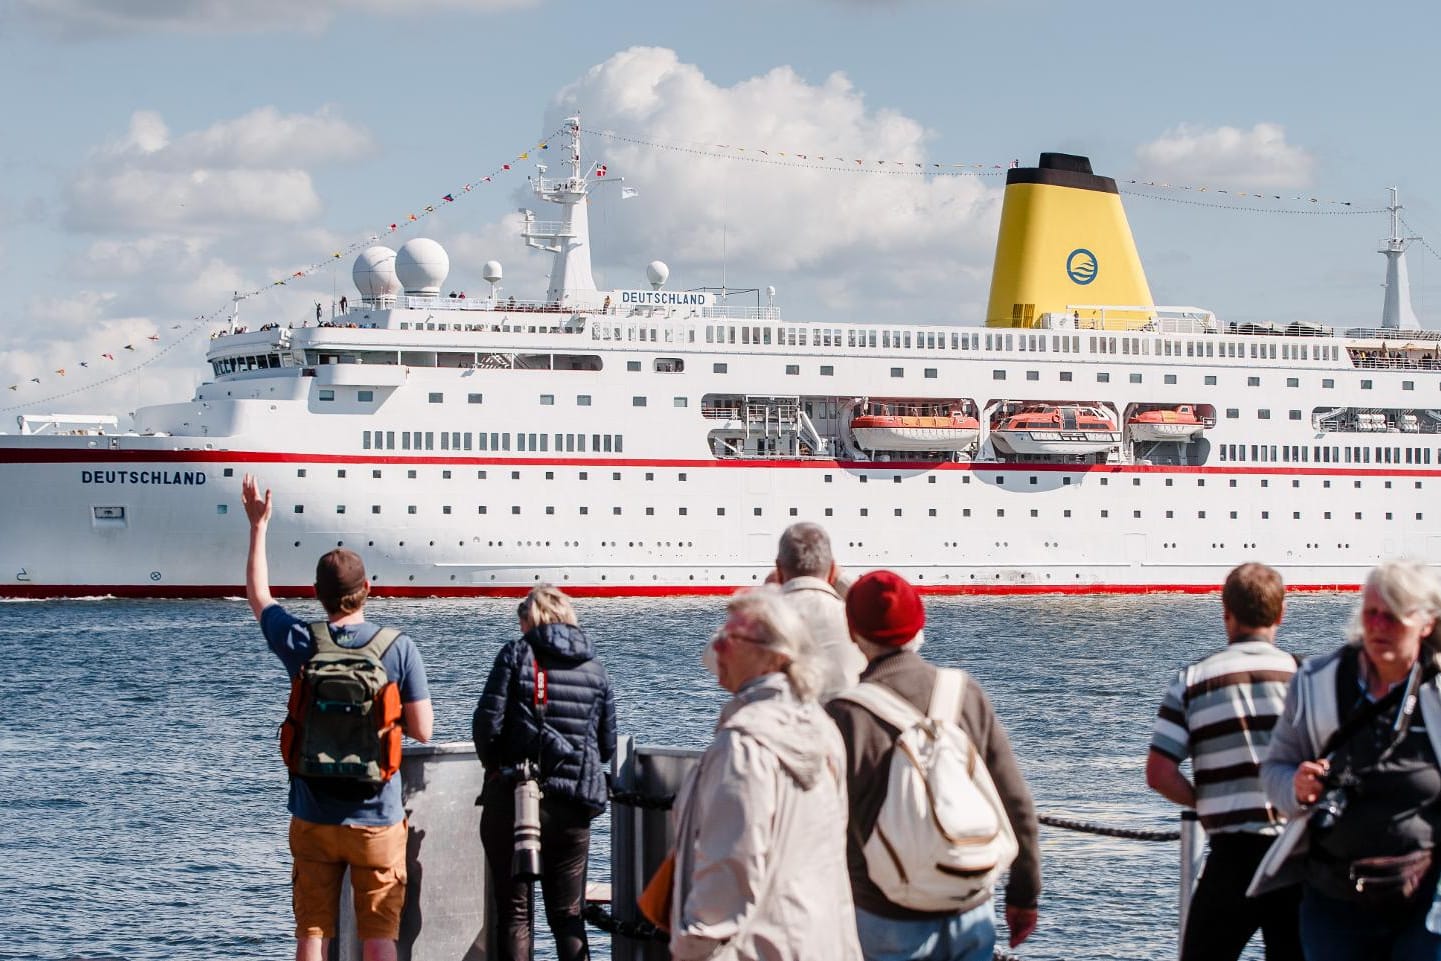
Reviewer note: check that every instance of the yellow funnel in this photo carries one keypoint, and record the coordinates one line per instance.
(1065, 248)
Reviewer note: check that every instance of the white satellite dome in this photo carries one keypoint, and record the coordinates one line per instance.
(421, 264)
(374, 273)
(656, 272)
(491, 272)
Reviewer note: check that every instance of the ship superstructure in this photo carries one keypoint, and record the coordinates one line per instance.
(638, 441)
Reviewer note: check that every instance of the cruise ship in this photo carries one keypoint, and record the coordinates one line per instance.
(654, 441)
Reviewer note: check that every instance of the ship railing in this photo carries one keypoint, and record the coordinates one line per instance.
(722, 312)
(72, 424)
(721, 413)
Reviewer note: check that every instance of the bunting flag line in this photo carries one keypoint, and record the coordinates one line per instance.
(815, 161)
(832, 163)
(1416, 235)
(1247, 200)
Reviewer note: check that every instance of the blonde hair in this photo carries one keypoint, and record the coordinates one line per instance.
(546, 604)
(780, 629)
(1409, 588)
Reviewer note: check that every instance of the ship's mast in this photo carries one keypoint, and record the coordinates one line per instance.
(569, 238)
(1396, 312)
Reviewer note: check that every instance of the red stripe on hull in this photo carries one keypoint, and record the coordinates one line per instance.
(106, 457)
(57, 591)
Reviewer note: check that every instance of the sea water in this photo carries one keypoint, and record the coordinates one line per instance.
(144, 797)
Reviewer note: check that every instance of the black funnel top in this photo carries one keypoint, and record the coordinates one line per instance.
(1065, 161)
(1062, 170)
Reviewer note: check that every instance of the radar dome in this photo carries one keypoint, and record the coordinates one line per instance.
(656, 272)
(421, 264)
(374, 273)
(491, 272)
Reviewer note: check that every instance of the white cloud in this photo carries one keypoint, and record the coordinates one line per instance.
(1226, 157)
(89, 19)
(263, 138)
(757, 217)
(241, 170)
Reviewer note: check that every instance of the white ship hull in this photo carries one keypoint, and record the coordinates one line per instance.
(159, 515)
(655, 443)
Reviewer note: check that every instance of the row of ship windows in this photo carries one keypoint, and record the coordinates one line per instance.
(1059, 344)
(682, 477)
(965, 512)
(367, 396)
(974, 340)
(493, 441)
(1301, 454)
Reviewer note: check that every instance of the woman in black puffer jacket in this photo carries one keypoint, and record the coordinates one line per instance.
(574, 745)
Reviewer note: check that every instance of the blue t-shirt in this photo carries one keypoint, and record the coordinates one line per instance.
(289, 638)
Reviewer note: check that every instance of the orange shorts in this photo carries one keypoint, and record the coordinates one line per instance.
(376, 858)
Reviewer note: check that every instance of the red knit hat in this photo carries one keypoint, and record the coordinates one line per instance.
(883, 608)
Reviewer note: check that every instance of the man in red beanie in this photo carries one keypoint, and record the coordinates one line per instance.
(887, 622)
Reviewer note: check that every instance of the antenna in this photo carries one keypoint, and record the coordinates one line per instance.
(1396, 312)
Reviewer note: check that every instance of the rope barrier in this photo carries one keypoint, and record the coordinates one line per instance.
(599, 917)
(1106, 830)
(647, 802)
(663, 802)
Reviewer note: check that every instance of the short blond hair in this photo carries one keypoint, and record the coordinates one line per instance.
(546, 604)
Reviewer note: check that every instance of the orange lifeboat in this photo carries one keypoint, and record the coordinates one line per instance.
(1057, 429)
(940, 432)
(1179, 424)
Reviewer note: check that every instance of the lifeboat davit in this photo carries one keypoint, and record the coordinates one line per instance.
(915, 433)
(1179, 424)
(1057, 429)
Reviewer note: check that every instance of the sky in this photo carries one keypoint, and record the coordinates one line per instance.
(162, 155)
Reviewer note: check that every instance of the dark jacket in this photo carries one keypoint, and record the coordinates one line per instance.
(578, 739)
(869, 743)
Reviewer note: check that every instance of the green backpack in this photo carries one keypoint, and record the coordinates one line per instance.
(342, 726)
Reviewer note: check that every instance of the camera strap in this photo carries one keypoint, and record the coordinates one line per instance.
(539, 701)
(1405, 694)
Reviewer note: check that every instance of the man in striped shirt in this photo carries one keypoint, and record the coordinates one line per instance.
(1219, 712)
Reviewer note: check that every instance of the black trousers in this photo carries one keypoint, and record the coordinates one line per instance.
(1222, 919)
(564, 847)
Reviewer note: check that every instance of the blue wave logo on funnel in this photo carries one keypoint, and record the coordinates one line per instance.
(1081, 266)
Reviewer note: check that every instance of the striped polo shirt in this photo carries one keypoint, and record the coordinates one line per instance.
(1219, 712)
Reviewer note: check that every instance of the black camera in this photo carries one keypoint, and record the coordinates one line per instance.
(1329, 808)
(525, 862)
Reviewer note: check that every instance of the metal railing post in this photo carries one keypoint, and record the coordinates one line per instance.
(1192, 854)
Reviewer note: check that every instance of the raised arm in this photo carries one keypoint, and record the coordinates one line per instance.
(257, 569)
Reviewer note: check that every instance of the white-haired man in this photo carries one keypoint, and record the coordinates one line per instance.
(806, 571)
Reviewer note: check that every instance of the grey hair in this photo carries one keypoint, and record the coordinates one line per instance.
(546, 604)
(780, 629)
(805, 551)
(1409, 588)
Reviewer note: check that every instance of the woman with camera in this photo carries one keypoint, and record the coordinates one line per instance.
(760, 855)
(546, 720)
(1354, 764)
